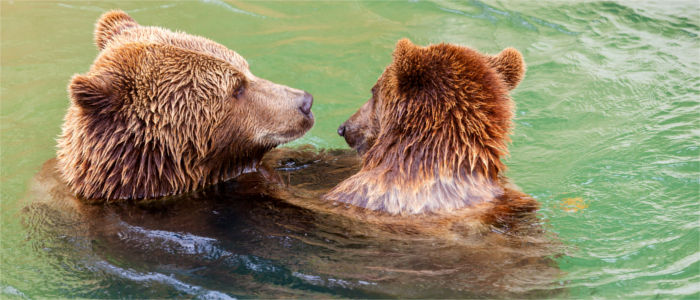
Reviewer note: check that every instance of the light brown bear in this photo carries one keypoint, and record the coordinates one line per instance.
(161, 113)
(433, 134)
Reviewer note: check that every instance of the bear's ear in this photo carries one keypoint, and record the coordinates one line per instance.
(403, 48)
(409, 65)
(510, 64)
(92, 93)
(110, 24)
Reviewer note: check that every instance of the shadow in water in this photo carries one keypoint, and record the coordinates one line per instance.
(268, 234)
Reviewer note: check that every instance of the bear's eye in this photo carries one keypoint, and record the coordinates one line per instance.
(239, 91)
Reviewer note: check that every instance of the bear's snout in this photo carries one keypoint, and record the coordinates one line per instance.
(354, 136)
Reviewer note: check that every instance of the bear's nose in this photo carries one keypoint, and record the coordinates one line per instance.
(341, 130)
(306, 103)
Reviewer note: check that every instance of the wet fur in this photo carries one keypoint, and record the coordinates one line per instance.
(433, 134)
(161, 113)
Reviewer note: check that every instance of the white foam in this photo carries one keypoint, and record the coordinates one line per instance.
(199, 292)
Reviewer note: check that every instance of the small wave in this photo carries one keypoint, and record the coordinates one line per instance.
(10, 290)
(199, 292)
(494, 15)
(100, 9)
(330, 282)
(687, 290)
(229, 7)
(81, 7)
(190, 244)
(187, 243)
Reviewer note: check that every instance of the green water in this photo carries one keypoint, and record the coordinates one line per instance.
(607, 117)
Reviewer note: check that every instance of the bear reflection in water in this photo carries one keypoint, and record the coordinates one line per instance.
(269, 234)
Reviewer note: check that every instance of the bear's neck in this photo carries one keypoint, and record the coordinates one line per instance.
(112, 166)
(405, 177)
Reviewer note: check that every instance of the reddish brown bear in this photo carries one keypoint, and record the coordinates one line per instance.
(161, 113)
(433, 134)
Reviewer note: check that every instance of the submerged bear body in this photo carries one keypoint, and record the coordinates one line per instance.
(252, 236)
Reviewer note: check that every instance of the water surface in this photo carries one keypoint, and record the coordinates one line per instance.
(606, 138)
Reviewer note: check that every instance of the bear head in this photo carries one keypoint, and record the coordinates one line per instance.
(162, 112)
(433, 132)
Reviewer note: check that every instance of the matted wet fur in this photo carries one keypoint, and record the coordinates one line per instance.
(162, 113)
(433, 134)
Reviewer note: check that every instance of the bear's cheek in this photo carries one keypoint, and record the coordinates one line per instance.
(284, 125)
(289, 131)
(256, 125)
(241, 124)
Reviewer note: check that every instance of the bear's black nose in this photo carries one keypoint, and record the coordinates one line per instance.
(306, 103)
(341, 130)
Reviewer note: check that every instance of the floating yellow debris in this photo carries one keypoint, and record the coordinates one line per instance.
(573, 204)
